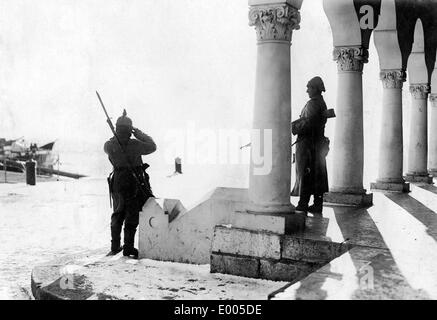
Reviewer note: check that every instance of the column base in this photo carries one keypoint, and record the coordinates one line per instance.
(349, 199)
(390, 186)
(281, 223)
(418, 178)
(270, 209)
(292, 221)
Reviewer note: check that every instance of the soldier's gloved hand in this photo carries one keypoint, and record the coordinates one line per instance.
(136, 132)
(139, 134)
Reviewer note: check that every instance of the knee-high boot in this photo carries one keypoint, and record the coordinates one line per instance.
(115, 235)
(129, 237)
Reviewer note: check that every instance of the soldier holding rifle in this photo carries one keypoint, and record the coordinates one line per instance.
(128, 183)
(311, 149)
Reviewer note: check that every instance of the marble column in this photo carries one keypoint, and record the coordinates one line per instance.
(274, 21)
(432, 148)
(418, 146)
(390, 172)
(348, 148)
(420, 89)
(433, 134)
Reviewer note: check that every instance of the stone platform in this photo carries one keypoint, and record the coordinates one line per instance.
(394, 253)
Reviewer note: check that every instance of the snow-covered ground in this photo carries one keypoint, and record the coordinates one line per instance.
(39, 223)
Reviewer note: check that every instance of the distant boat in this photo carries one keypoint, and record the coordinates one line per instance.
(11, 165)
(14, 153)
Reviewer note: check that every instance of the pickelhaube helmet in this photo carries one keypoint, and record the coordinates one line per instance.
(124, 120)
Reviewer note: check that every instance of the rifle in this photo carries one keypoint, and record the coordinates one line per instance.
(144, 189)
(327, 114)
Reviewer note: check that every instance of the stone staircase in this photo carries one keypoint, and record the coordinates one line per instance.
(169, 232)
(269, 255)
(220, 232)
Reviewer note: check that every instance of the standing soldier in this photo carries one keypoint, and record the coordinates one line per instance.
(311, 149)
(124, 182)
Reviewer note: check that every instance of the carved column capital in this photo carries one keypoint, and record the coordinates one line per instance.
(433, 98)
(393, 79)
(420, 91)
(350, 59)
(274, 22)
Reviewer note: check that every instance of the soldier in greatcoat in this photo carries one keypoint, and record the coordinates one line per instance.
(311, 149)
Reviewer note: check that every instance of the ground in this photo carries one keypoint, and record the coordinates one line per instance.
(69, 217)
(397, 237)
(94, 276)
(39, 223)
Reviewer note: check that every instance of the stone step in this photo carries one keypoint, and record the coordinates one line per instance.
(250, 267)
(310, 250)
(276, 223)
(260, 244)
(269, 222)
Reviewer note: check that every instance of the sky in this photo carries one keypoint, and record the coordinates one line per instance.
(169, 63)
(165, 62)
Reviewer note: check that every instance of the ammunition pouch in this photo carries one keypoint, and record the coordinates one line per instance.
(135, 186)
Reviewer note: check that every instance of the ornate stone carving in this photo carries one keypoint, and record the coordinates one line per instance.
(274, 22)
(392, 79)
(350, 58)
(420, 91)
(433, 98)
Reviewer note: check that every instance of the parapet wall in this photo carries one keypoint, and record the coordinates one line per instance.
(186, 235)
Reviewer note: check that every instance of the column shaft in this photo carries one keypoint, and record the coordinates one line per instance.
(433, 135)
(269, 188)
(391, 151)
(348, 149)
(418, 146)
(272, 111)
(349, 141)
(391, 137)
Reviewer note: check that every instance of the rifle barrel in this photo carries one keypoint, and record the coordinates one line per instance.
(101, 103)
